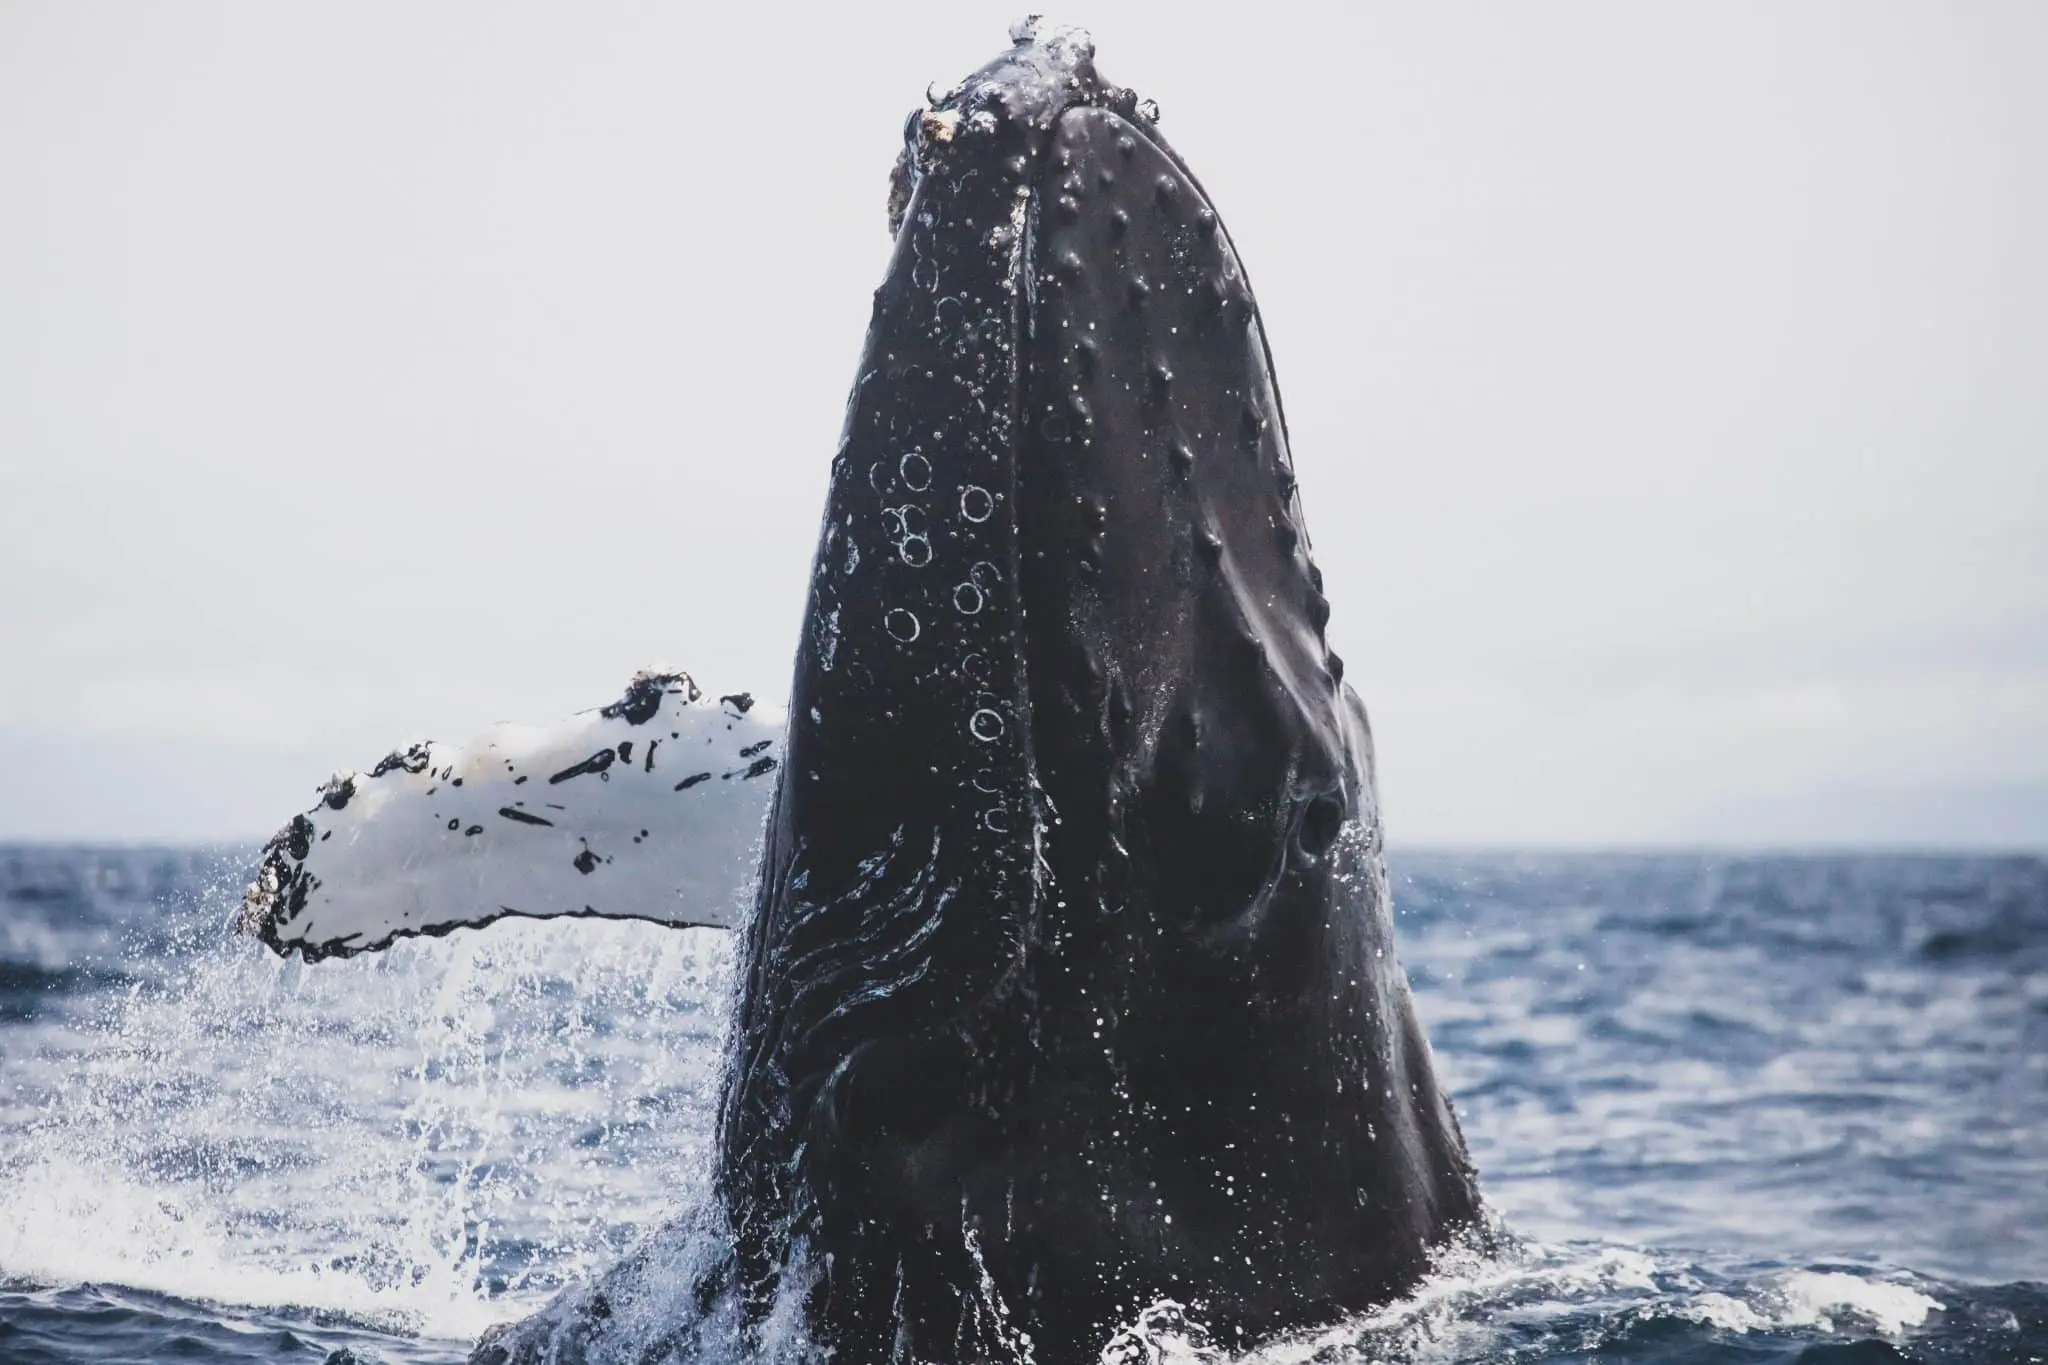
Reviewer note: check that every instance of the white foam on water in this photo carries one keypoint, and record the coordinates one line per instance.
(66, 1224)
(1831, 1302)
(1730, 1314)
(1822, 1298)
(1481, 1305)
(1471, 1302)
(1464, 1310)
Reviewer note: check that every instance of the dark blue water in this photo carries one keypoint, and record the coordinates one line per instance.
(1731, 1110)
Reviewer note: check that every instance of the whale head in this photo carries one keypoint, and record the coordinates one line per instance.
(1070, 970)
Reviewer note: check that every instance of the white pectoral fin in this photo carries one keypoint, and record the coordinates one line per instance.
(649, 808)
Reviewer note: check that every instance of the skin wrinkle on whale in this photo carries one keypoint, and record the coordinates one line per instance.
(1069, 981)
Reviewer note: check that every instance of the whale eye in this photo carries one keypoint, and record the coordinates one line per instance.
(1321, 823)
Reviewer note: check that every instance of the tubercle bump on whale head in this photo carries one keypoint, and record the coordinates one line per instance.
(1049, 69)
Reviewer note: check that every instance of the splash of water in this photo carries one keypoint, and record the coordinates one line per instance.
(429, 1141)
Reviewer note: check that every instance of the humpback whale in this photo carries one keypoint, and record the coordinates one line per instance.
(1069, 983)
(1068, 986)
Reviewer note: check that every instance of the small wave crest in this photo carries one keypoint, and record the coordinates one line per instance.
(1524, 1301)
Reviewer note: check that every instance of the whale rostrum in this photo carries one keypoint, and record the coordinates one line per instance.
(1068, 987)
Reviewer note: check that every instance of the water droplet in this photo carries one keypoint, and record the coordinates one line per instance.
(902, 624)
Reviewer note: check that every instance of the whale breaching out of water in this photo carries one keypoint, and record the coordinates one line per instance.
(1068, 985)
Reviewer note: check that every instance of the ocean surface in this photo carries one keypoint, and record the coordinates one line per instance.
(1729, 1109)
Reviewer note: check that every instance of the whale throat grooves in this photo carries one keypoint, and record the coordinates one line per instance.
(898, 884)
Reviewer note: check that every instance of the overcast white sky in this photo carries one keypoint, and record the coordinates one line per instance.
(1668, 384)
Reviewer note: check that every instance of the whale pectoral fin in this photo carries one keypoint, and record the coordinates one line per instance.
(649, 808)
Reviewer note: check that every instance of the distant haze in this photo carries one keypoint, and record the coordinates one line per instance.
(1668, 384)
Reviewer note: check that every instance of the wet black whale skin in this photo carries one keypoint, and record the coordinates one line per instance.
(1070, 984)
